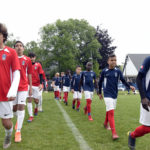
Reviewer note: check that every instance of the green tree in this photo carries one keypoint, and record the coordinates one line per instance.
(69, 43)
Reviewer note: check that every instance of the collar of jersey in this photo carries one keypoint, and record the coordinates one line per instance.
(20, 56)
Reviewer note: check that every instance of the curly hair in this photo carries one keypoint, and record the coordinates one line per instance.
(3, 31)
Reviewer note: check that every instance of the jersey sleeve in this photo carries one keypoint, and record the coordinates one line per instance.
(15, 65)
(40, 70)
(101, 82)
(29, 67)
(145, 66)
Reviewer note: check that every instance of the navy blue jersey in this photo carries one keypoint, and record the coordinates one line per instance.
(66, 80)
(60, 83)
(110, 79)
(145, 71)
(56, 80)
(75, 82)
(88, 78)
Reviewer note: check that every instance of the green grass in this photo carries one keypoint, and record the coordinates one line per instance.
(49, 130)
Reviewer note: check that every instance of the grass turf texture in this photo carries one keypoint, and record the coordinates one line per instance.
(49, 130)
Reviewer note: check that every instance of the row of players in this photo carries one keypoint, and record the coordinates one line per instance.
(21, 78)
(17, 71)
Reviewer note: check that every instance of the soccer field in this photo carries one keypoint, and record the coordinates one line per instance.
(49, 131)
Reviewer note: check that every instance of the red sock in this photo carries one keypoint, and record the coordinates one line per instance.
(106, 119)
(78, 103)
(57, 94)
(89, 101)
(66, 96)
(111, 121)
(140, 131)
(73, 102)
(60, 95)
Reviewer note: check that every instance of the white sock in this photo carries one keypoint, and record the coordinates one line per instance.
(8, 132)
(30, 111)
(20, 118)
(15, 113)
(40, 102)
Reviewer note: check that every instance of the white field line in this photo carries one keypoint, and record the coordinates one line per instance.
(79, 138)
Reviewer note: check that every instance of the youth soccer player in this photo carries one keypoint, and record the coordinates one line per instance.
(88, 82)
(55, 83)
(61, 85)
(110, 77)
(9, 78)
(20, 101)
(143, 83)
(66, 86)
(37, 79)
(77, 96)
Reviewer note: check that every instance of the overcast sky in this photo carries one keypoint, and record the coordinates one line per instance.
(128, 21)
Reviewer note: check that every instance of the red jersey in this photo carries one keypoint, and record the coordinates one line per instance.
(26, 68)
(36, 71)
(9, 63)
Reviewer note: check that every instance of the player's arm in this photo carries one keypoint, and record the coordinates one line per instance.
(30, 77)
(40, 76)
(95, 83)
(125, 83)
(16, 77)
(101, 80)
(72, 81)
(139, 80)
(81, 82)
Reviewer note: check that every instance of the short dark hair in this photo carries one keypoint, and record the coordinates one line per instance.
(3, 31)
(111, 55)
(17, 43)
(31, 55)
(78, 66)
(39, 62)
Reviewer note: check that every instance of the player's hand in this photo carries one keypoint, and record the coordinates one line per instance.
(132, 88)
(11, 98)
(30, 92)
(100, 96)
(145, 103)
(72, 90)
(40, 87)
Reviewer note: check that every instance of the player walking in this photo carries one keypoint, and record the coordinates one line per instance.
(9, 78)
(110, 77)
(143, 83)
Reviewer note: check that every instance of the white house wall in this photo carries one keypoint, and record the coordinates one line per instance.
(130, 70)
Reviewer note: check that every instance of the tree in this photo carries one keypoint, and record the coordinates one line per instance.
(106, 46)
(11, 41)
(69, 43)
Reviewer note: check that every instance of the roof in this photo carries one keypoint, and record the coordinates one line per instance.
(138, 59)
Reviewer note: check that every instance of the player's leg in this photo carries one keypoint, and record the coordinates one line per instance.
(40, 102)
(15, 106)
(74, 99)
(21, 114)
(79, 97)
(110, 107)
(141, 130)
(6, 113)
(88, 97)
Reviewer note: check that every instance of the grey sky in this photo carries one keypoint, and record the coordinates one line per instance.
(126, 20)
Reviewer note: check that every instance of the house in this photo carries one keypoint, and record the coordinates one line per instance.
(132, 65)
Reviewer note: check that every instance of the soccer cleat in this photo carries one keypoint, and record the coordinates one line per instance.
(18, 137)
(107, 127)
(73, 107)
(30, 119)
(78, 109)
(115, 136)
(85, 110)
(90, 118)
(35, 112)
(66, 103)
(16, 126)
(7, 142)
(131, 141)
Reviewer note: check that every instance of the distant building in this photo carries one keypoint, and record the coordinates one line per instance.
(132, 65)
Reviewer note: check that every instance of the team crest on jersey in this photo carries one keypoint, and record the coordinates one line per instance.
(35, 67)
(23, 63)
(116, 74)
(92, 74)
(142, 67)
(4, 57)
